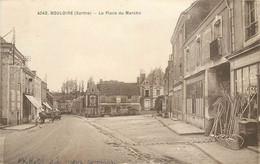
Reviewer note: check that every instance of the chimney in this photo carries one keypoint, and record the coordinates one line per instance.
(101, 81)
(142, 77)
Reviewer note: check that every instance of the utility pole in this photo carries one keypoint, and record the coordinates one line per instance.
(13, 45)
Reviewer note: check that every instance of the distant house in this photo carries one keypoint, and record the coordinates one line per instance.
(151, 87)
(63, 101)
(118, 97)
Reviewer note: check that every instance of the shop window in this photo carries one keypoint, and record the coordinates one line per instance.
(194, 98)
(251, 23)
(246, 90)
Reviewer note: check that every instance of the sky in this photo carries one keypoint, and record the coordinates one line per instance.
(108, 47)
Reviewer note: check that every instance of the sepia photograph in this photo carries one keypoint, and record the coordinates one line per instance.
(129, 82)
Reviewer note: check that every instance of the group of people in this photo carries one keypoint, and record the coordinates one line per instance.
(43, 115)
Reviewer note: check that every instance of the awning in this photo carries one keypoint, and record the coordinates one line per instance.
(34, 102)
(47, 105)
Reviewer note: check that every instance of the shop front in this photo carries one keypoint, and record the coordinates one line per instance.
(245, 69)
(177, 102)
(32, 109)
(194, 97)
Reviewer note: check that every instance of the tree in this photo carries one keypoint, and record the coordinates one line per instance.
(69, 86)
(158, 104)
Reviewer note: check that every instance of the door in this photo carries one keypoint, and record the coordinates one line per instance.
(147, 104)
(193, 103)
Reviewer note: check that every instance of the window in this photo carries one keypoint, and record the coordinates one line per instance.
(18, 100)
(147, 93)
(250, 19)
(187, 59)
(12, 100)
(198, 50)
(246, 88)
(194, 98)
(158, 92)
(245, 78)
(92, 101)
(129, 97)
(118, 99)
(217, 28)
(12, 74)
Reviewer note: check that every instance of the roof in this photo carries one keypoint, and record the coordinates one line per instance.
(201, 8)
(155, 77)
(118, 88)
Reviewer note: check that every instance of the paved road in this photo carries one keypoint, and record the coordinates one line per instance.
(70, 140)
(78, 140)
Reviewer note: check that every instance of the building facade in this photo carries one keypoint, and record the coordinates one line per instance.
(213, 58)
(92, 100)
(118, 98)
(245, 57)
(20, 88)
(12, 62)
(27, 90)
(151, 87)
(63, 101)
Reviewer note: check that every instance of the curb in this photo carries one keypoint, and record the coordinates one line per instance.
(181, 134)
(165, 125)
(22, 129)
(209, 155)
(251, 149)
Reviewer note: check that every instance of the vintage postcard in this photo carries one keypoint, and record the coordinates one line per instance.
(129, 81)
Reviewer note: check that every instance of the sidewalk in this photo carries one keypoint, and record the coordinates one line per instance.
(219, 153)
(180, 127)
(20, 127)
(24, 126)
(224, 155)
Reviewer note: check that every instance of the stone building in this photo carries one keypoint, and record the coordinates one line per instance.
(212, 58)
(28, 92)
(12, 62)
(245, 57)
(118, 98)
(191, 77)
(63, 101)
(151, 87)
